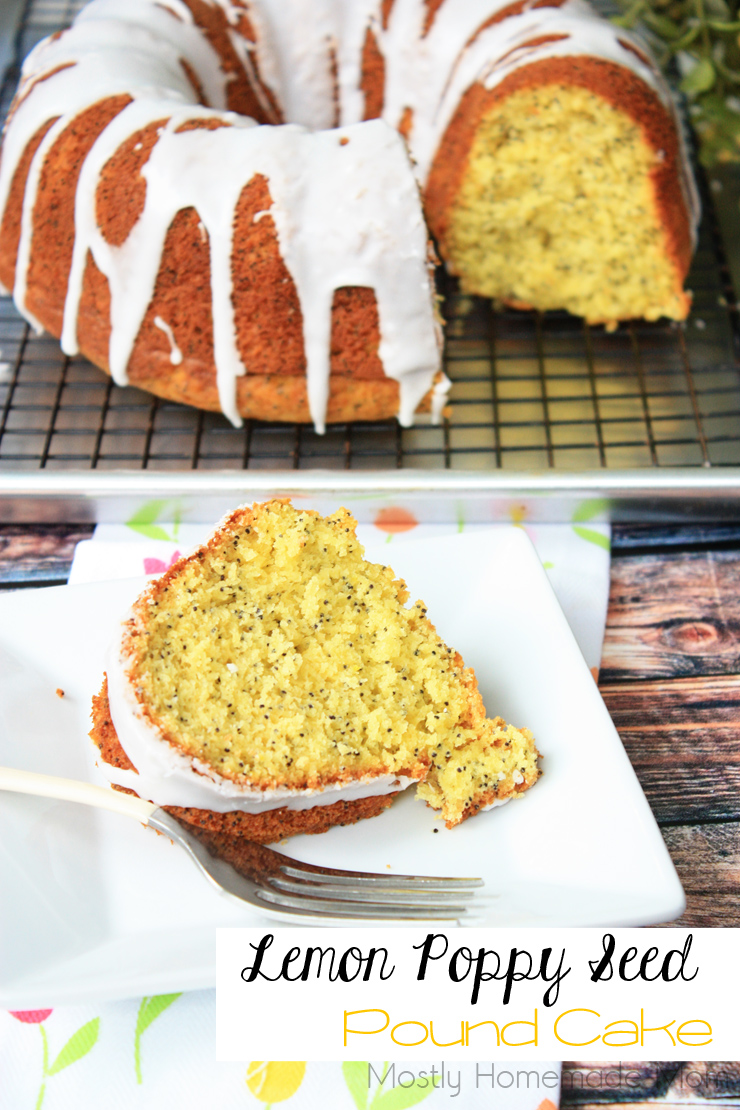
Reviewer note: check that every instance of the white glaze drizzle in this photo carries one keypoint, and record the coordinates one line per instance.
(330, 229)
(168, 776)
(179, 34)
(294, 58)
(175, 352)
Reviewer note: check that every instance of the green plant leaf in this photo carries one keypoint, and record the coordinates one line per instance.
(631, 16)
(700, 78)
(78, 1045)
(398, 1098)
(662, 25)
(355, 1074)
(731, 75)
(691, 35)
(151, 1008)
(718, 8)
(592, 536)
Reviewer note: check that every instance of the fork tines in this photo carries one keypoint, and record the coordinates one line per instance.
(325, 891)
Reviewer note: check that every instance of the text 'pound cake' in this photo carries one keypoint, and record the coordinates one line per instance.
(220, 201)
(275, 682)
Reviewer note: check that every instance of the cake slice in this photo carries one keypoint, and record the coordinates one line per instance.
(275, 682)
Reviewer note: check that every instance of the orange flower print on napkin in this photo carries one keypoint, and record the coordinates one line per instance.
(274, 1081)
(394, 520)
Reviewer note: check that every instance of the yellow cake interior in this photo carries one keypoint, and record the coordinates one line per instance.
(279, 656)
(557, 210)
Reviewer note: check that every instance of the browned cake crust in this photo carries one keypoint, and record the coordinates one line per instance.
(622, 89)
(222, 832)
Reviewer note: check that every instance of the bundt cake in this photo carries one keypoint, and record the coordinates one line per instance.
(212, 199)
(275, 682)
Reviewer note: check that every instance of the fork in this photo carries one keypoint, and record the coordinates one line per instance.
(269, 881)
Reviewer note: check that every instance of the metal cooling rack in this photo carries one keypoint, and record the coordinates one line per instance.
(532, 393)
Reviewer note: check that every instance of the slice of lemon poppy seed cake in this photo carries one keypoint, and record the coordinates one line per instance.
(275, 682)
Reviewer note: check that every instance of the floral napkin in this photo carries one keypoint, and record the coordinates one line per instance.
(159, 1051)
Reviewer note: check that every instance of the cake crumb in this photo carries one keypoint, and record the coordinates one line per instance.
(316, 670)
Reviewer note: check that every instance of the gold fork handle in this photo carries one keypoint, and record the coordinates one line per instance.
(69, 790)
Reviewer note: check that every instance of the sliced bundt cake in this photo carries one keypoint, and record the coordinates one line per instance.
(281, 271)
(276, 682)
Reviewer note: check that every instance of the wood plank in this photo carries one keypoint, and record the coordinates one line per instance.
(625, 1102)
(673, 615)
(683, 739)
(711, 1080)
(650, 1084)
(600, 1082)
(707, 858)
(647, 537)
(40, 554)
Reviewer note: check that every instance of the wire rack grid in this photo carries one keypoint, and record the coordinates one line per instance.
(534, 392)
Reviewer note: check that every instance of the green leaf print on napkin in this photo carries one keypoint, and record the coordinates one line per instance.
(150, 1009)
(398, 1098)
(357, 1078)
(78, 1045)
(143, 521)
(592, 536)
(587, 510)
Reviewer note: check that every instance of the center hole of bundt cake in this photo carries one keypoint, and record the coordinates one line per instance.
(557, 208)
(280, 656)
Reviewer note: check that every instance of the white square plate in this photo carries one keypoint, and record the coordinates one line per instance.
(96, 906)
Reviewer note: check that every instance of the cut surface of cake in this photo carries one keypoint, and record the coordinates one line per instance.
(222, 202)
(558, 206)
(276, 682)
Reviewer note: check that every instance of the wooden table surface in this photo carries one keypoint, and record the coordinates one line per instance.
(670, 677)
